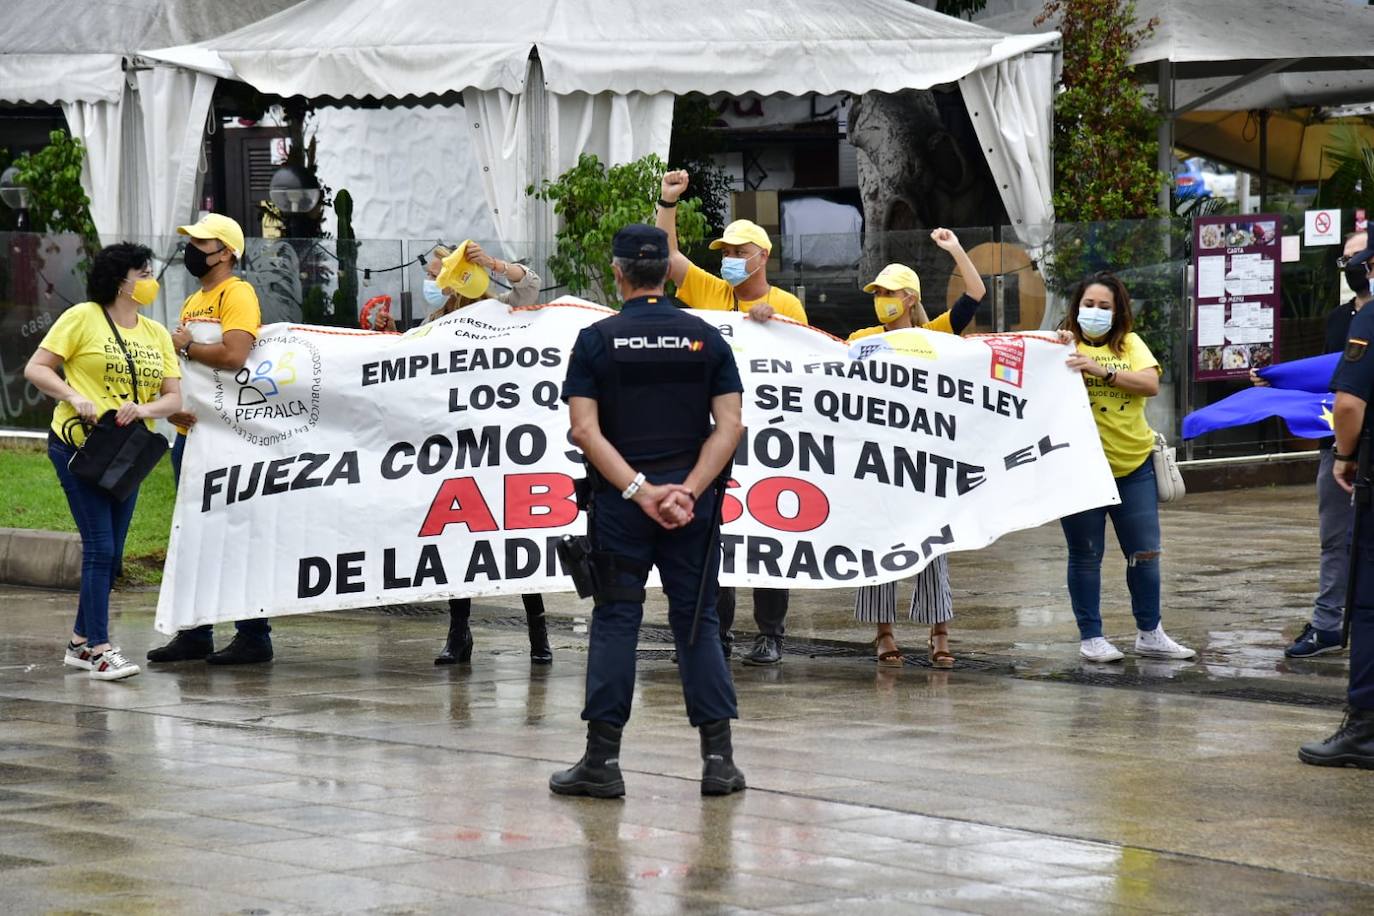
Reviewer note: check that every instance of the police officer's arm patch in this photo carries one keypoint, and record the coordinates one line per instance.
(1355, 349)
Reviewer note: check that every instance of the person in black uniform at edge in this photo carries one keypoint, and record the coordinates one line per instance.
(643, 388)
(1353, 743)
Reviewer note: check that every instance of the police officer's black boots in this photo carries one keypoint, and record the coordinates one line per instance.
(719, 775)
(458, 646)
(597, 774)
(1351, 746)
(535, 622)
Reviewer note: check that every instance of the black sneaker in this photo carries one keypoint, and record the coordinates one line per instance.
(186, 646)
(242, 651)
(1312, 641)
(767, 651)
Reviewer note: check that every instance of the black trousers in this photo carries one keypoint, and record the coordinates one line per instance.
(770, 610)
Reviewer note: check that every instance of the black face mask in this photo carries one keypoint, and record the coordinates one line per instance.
(1358, 278)
(197, 263)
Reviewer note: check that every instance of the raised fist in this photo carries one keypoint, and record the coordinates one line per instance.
(674, 185)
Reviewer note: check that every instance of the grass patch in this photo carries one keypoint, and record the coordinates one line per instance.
(34, 499)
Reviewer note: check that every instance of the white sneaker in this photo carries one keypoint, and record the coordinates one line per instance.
(1098, 649)
(111, 666)
(1156, 644)
(79, 656)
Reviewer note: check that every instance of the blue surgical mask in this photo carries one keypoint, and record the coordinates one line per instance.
(734, 270)
(433, 294)
(1094, 323)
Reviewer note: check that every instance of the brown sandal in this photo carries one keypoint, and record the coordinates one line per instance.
(940, 658)
(893, 657)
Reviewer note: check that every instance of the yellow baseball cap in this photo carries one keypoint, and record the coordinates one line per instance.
(216, 226)
(742, 231)
(895, 278)
(461, 275)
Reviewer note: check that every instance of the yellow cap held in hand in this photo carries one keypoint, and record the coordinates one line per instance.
(461, 275)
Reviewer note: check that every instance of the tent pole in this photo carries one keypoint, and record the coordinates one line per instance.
(1263, 160)
(1165, 161)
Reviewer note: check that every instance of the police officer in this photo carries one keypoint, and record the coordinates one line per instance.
(643, 388)
(1353, 743)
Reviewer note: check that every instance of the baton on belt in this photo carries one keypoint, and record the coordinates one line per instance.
(721, 483)
(1362, 506)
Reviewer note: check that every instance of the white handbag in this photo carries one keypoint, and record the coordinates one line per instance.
(1168, 478)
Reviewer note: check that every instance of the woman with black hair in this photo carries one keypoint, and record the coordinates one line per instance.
(1121, 374)
(103, 349)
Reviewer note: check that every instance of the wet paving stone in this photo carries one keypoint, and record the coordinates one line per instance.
(351, 775)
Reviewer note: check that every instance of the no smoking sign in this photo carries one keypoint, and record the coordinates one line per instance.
(1321, 227)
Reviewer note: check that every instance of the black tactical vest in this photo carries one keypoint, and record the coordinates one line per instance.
(657, 405)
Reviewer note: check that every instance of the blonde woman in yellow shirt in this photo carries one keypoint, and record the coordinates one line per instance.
(1121, 374)
(897, 302)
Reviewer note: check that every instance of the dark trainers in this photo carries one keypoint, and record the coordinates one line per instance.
(186, 646)
(243, 650)
(1312, 641)
(1351, 746)
(767, 651)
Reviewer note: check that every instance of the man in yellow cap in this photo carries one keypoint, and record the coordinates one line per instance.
(227, 316)
(743, 282)
(741, 287)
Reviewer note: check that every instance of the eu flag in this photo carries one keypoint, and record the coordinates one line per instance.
(1299, 393)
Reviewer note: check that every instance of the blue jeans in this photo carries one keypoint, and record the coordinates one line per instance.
(258, 629)
(1136, 520)
(620, 527)
(104, 523)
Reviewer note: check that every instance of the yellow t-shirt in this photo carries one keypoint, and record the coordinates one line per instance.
(938, 323)
(93, 364)
(1126, 436)
(230, 306)
(700, 290)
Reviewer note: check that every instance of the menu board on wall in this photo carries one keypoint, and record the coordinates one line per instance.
(1236, 295)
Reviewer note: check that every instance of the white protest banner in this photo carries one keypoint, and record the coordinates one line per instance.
(348, 469)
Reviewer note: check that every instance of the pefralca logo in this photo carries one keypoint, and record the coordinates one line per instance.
(662, 342)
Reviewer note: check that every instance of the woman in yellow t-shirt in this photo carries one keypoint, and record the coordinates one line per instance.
(96, 377)
(524, 290)
(897, 301)
(1121, 374)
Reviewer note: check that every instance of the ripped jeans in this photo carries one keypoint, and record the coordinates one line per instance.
(1136, 520)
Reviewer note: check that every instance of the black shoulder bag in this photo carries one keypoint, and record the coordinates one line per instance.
(117, 458)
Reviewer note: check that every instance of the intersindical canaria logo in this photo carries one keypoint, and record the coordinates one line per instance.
(276, 395)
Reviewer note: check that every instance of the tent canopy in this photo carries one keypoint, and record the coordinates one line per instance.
(73, 50)
(1297, 140)
(1284, 53)
(357, 49)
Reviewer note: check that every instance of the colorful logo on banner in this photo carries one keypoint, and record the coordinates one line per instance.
(1008, 359)
(275, 397)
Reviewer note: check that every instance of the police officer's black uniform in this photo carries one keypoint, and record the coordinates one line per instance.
(653, 371)
(1353, 742)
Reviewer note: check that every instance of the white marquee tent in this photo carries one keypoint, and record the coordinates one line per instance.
(142, 127)
(1238, 55)
(543, 82)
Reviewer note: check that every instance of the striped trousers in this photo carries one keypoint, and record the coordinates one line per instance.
(931, 600)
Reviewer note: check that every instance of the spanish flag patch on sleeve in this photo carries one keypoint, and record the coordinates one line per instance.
(1355, 349)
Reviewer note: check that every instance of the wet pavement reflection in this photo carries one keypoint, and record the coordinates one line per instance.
(353, 775)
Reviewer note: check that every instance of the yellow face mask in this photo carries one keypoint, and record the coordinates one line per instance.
(144, 291)
(889, 308)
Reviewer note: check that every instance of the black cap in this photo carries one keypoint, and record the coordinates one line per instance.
(641, 243)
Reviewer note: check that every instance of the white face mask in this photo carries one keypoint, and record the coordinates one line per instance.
(1093, 322)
